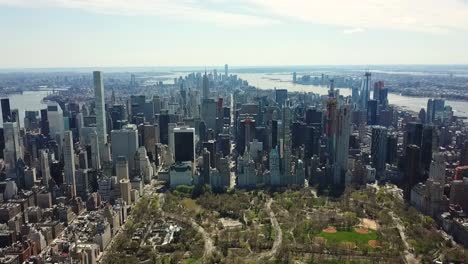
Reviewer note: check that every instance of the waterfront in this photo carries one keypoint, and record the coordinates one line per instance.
(283, 81)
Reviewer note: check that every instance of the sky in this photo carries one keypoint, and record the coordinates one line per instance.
(125, 33)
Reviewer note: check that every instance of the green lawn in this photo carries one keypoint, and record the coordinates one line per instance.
(349, 236)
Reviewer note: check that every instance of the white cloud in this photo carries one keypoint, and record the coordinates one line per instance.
(433, 16)
(180, 9)
(353, 30)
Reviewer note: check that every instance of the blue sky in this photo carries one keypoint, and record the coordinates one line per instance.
(99, 33)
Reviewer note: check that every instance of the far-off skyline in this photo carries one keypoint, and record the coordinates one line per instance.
(100, 33)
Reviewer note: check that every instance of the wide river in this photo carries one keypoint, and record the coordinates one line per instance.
(283, 81)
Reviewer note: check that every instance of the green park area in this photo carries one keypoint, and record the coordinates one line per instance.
(360, 239)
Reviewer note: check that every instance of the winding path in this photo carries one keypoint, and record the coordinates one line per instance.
(208, 241)
(279, 234)
(409, 257)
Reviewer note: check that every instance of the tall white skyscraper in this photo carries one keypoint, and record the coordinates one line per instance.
(55, 117)
(69, 162)
(12, 151)
(226, 70)
(45, 169)
(125, 143)
(99, 96)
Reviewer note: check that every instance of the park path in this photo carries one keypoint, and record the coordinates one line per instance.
(279, 234)
(409, 257)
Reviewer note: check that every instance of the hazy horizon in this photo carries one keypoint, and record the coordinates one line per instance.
(143, 33)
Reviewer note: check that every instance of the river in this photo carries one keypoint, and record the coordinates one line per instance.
(284, 81)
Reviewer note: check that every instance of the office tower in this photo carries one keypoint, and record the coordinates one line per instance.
(392, 149)
(137, 107)
(156, 104)
(372, 112)
(365, 90)
(164, 127)
(226, 70)
(184, 144)
(294, 77)
(206, 87)
(6, 111)
(95, 155)
(224, 144)
(412, 168)
(83, 160)
(435, 110)
(210, 145)
(379, 148)
(224, 171)
(194, 103)
(209, 113)
(44, 123)
(274, 134)
(12, 151)
(149, 139)
(437, 168)
(125, 143)
(55, 118)
(298, 134)
(428, 145)
(206, 166)
(30, 120)
(286, 166)
(121, 168)
(69, 162)
(274, 164)
(101, 123)
(281, 96)
(311, 142)
(413, 134)
(125, 191)
(313, 116)
(143, 165)
(342, 140)
(45, 168)
(171, 137)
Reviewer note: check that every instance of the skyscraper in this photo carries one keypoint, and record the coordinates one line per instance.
(95, 156)
(286, 166)
(45, 168)
(12, 152)
(125, 143)
(121, 168)
(275, 178)
(365, 90)
(342, 142)
(281, 95)
(379, 147)
(6, 111)
(69, 162)
(226, 70)
(184, 144)
(55, 118)
(413, 134)
(99, 96)
(206, 87)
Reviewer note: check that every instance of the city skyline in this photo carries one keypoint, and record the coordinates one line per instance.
(77, 33)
